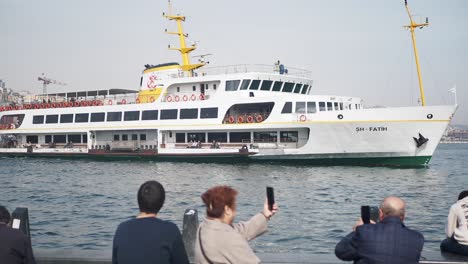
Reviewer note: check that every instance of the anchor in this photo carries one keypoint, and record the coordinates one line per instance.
(420, 141)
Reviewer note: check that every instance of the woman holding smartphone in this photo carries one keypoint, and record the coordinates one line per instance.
(221, 241)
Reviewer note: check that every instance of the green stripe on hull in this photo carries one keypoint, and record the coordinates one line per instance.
(405, 161)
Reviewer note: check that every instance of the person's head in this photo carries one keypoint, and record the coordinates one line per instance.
(462, 195)
(220, 203)
(4, 215)
(151, 196)
(392, 206)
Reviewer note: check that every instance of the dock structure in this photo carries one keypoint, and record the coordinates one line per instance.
(189, 229)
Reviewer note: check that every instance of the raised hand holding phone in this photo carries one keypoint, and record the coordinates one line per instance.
(270, 208)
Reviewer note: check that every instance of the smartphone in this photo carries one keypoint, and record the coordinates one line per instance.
(365, 214)
(270, 197)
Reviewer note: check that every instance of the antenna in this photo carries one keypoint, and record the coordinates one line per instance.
(411, 27)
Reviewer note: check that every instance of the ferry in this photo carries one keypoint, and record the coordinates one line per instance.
(188, 111)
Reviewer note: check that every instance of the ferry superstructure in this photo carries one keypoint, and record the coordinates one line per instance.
(252, 113)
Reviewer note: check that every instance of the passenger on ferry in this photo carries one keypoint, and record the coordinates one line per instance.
(214, 145)
(193, 144)
(457, 227)
(199, 144)
(387, 242)
(146, 238)
(14, 245)
(221, 241)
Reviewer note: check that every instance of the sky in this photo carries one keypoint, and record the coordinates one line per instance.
(353, 48)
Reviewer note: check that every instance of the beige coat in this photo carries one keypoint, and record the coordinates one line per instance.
(222, 243)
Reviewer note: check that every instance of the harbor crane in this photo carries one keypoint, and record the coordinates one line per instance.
(46, 81)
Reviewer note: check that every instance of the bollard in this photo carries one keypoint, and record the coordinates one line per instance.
(20, 220)
(189, 231)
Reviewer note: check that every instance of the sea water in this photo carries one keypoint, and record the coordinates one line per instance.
(77, 204)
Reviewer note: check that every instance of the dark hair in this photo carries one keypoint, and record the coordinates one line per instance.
(462, 195)
(4, 215)
(216, 198)
(151, 196)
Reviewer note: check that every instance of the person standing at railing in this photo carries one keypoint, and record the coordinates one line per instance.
(457, 227)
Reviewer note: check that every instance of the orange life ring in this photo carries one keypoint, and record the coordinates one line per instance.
(123, 101)
(231, 119)
(185, 98)
(302, 118)
(2, 108)
(176, 98)
(259, 118)
(36, 106)
(152, 99)
(250, 119)
(202, 97)
(12, 126)
(169, 98)
(240, 119)
(110, 102)
(137, 100)
(95, 103)
(193, 97)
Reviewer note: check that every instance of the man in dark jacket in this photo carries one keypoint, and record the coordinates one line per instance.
(388, 241)
(14, 245)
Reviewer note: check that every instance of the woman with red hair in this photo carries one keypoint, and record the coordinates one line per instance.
(221, 241)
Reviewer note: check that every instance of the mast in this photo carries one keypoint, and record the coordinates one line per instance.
(411, 27)
(183, 49)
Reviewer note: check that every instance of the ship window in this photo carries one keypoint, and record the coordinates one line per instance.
(297, 89)
(311, 107)
(178, 89)
(168, 114)
(329, 106)
(32, 139)
(304, 89)
(190, 113)
(38, 119)
(180, 137)
(341, 106)
(134, 136)
(288, 136)
(254, 85)
(266, 85)
(288, 87)
(51, 119)
(232, 85)
(322, 106)
(143, 137)
(17, 120)
(131, 115)
(265, 136)
(150, 115)
(214, 86)
(66, 118)
(194, 88)
(98, 117)
(124, 137)
(242, 137)
(60, 139)
(245, 84)
(196, 137)
(114, 116)
(116, 137)
(48, 139)
(211, 112)
(74, 138)
(336, 106)
(277, 86)
(81, 118)
(287, 108)
(217, 136)
(300, 107)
